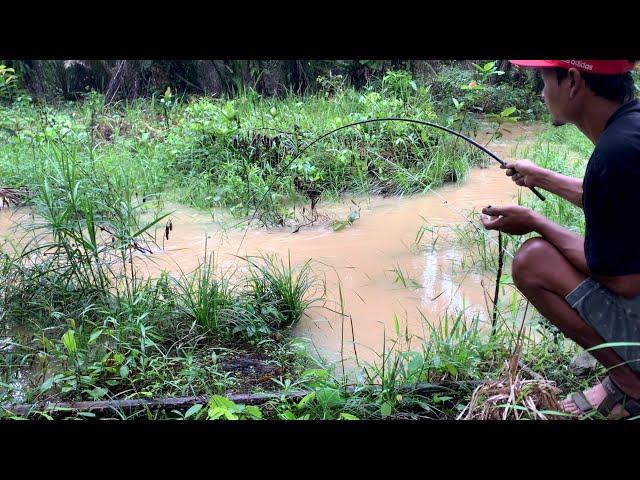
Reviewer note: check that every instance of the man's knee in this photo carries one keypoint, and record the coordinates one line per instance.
(529, 257)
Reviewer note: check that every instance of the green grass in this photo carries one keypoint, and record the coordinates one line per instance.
(280, 293)
(210, 152)
(205, 295)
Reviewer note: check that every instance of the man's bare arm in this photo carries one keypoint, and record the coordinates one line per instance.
(569, 188)
(528, 174)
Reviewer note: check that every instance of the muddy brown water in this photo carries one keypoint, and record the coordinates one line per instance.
(361, 257)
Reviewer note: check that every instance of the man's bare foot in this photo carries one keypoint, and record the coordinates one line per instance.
(595, 396)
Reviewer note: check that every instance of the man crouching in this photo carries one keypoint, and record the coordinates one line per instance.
(588, 287)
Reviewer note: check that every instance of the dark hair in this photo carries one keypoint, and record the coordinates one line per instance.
(617, 88)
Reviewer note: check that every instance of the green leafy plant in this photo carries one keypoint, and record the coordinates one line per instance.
(7, 81)
(400, 83)
(221, 408)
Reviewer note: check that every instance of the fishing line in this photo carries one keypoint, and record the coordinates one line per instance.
(445, 202)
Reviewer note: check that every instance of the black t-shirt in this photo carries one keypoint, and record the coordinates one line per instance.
(611, 196)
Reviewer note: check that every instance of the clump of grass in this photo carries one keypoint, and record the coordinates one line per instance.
(280, 292)
(451, 351)
(205, 296)
(85, 232)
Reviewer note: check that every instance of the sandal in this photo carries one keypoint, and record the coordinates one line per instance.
(614, 397)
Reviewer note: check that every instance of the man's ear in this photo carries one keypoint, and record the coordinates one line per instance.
(575, 82)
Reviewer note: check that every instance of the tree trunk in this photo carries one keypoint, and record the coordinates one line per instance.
(273, 80)
(423, 70)
(125, 82)
(209, 78)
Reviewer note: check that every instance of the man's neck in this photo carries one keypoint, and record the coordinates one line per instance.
(594, 117)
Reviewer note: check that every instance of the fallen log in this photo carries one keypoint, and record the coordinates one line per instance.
(61, 409)
(103, 407)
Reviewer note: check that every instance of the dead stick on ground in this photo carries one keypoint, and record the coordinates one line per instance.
(61, 409)
(175, 403)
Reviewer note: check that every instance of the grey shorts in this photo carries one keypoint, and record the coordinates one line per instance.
(615, 318)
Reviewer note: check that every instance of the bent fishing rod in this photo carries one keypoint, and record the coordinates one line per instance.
(384, 119)
(399, 119)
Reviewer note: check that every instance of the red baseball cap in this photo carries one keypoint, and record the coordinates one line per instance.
(604, 67)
